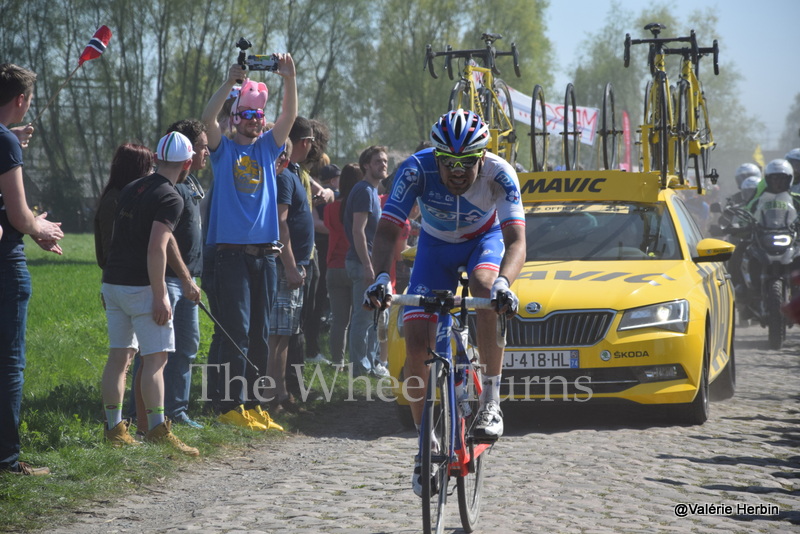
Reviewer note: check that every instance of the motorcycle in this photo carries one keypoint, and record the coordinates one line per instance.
(769, 254)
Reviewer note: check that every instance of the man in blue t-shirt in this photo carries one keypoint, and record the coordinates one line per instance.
(16, 219)
(243, 227)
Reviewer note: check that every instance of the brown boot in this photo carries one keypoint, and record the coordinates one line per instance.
(119, 435)
(163, 434)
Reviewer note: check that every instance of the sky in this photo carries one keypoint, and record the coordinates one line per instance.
(761, 38)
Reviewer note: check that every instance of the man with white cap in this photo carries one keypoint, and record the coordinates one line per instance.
(135, 293)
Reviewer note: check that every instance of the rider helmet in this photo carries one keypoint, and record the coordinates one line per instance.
(460, 132)
(793, 157)
(748, 187)
(778, 176)
(745, 170)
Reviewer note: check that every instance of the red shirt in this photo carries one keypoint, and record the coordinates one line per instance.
(337, 240)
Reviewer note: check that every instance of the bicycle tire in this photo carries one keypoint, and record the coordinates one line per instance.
(608, 133)
(501, 117)
(435, 465)
(659, 118)
(539, 134)
(705, 136)
(683, 132)
(646, 119)
(570, 140)
(459, 93)
(470, 487)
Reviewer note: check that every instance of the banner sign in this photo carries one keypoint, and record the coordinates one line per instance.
(587, 117)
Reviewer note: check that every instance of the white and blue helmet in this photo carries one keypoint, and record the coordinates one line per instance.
(460, 132)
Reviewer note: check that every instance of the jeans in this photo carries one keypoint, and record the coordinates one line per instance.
(362, 338)
(15, 292)
(178, 371)
(245, 286)
(340, 293)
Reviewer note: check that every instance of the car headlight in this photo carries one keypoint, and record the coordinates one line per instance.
(667, 315)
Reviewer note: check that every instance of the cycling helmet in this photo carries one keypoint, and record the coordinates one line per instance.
(745, 170)
(460, 132)
(778, 176)
(748, 187)
(793, 155)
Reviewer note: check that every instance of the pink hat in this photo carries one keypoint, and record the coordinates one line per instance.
(174, 147)
(251, 96)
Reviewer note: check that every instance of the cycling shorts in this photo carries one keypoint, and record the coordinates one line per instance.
(437, 262)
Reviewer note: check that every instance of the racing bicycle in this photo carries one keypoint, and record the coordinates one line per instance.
(446, 446)
(675, 125)
(481, 90)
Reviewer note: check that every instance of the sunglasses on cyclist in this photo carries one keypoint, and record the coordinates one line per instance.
(250, 114)
(467, 161)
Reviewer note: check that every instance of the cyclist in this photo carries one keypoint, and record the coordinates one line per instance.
(793, 157)
(471, 215)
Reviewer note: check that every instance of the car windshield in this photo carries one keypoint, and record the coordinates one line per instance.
(600, 231)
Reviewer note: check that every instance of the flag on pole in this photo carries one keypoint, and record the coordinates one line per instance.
(97, 45)
(758, 156)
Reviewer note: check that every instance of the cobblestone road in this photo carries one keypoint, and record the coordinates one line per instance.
(599, 470)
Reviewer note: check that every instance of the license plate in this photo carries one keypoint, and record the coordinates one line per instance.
(541, 359)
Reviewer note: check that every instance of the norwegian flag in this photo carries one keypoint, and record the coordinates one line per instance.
(97, 45)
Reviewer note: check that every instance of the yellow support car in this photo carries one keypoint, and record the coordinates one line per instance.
(621, 298)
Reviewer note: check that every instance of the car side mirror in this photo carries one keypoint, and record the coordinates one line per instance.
(711, 250)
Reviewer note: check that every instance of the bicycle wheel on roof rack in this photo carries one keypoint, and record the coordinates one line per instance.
(608, 130)
(656, 114)
(704, 134)
(683, 133)
(539, 134)
(571, 133)
(500, 116)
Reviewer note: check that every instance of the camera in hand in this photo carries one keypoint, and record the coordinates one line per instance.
(267, 62)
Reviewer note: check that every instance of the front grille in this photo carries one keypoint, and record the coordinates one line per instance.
(559, 329)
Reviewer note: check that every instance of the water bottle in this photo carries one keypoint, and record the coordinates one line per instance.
(462, 397)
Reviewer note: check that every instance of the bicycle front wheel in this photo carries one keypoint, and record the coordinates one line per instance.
(435, 460)
(608, 132)
(500, 116)
(470, 486)
(571, 132)
(539, 135)
(684, 132)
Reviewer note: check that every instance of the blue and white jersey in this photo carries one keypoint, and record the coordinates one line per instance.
(493, 200)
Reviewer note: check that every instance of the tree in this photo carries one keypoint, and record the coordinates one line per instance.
(791, 133)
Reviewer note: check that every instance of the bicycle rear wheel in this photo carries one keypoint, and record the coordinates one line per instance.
(658, 117)
(608, 131)
(470, 486)
(683, 133)
(539, 135)
(571, 132)
(706, 141)
(501, 117)
(435, 460)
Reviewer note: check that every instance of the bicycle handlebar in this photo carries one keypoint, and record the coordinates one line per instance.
(487, 55)
(437, 304)
(694, 52)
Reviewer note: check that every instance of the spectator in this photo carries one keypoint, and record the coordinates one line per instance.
(188, 235)
(131, 162)
(16, 220)
(243, 226)
(297, 236)
(362, 210)
(135, 292)
(340, 287)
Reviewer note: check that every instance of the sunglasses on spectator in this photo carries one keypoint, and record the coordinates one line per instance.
(467, 161)
(250, 114)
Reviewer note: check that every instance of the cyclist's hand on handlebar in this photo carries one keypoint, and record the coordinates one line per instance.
(379, 294)
(505, 301)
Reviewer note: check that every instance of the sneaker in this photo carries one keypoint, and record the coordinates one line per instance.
(183, 419)
(28, 470)
(489, 422)
(239, 417)
(263, 417)
(163, 434)
(119, 436)
(319, 358)
(379, 370)
(416, 480)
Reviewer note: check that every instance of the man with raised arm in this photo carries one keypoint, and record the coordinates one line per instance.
(243, 227)
(471, 216)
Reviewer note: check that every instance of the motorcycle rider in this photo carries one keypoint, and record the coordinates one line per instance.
(793, 157)
(745, 172)
(774, 192)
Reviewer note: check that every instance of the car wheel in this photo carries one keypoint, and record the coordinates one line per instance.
(724, 386)
(696, 412)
